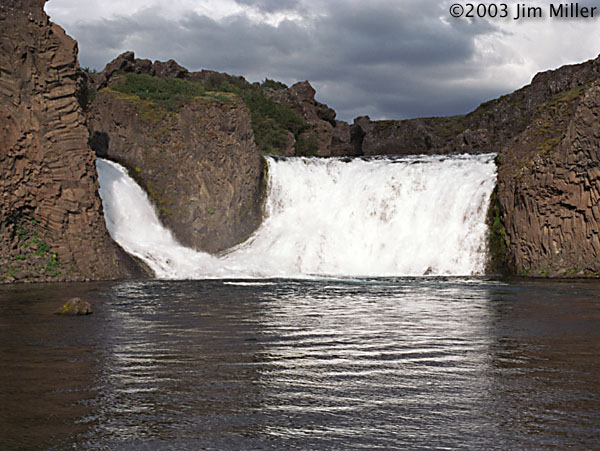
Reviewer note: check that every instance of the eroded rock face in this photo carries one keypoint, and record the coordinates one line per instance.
(332, 137)
(51, 220)
(127, 62)
(549, 190)
(198, 164)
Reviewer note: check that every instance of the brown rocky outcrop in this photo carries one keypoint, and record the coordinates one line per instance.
(323, 135)
(198, 163)
(549, 189)
(487, 128)
(331, 137)
(127, 62)
(51, 221)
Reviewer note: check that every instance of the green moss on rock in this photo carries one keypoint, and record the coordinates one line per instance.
(165, 92)
(75, 307)
(33, 258)
(271, 121)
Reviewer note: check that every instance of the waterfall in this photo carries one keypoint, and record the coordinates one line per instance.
(378, 217)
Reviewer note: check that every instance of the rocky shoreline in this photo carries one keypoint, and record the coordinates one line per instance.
(198, 155)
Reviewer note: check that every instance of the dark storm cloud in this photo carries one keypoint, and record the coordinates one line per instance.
(387, 59)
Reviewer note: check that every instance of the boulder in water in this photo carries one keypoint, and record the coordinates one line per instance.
(75, 306)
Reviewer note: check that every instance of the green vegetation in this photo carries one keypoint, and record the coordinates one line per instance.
(148, 110)
(52, 263)
(264, 181)
(163, 199)
(273, 84)
(87, 92)
(307, 145)
(549, 144)
(550, 117)
(164, 92)
(22, 233)
(545, 270)
(221, 97)
(42, 248)
(383, 125)
(449, 127)
(271, 121)
(32, 258)
(550, 270)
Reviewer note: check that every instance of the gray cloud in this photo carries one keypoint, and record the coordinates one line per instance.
(271, 6)
(387, 59)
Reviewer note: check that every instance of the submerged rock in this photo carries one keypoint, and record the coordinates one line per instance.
(75, 306)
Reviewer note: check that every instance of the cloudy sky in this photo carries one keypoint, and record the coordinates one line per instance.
(389, 59)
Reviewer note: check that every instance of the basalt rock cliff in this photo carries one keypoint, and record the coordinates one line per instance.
(195, 156)
(51, 220)
(193, 141)
(549, 187)
(199, 156)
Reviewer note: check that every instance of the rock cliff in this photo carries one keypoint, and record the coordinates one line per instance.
(549, 188)
(199, 158)
(51, 220)
(488, 128)
(195, 157)
(285, 121)
(329, 136)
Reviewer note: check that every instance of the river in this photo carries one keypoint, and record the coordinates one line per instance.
(377, 363)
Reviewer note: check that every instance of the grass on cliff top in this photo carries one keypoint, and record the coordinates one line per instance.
(271, 121)
(168, 93)
(273, 84)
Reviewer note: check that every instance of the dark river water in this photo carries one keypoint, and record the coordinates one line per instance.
(429, 363)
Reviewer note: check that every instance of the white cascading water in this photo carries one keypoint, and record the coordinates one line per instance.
(330, 217)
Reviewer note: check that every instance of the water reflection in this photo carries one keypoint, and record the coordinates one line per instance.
(374, 365)
(544, 363)
(172, 363)
(46, 364)
(404, 363)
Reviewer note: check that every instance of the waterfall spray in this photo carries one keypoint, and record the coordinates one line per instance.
(379, 217)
